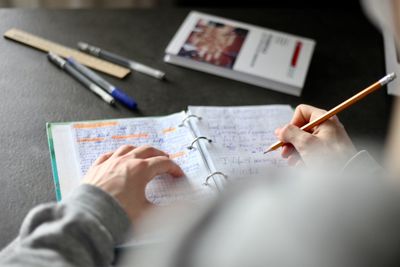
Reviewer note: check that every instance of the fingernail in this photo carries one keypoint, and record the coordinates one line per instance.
(179, 174)
(277, 130)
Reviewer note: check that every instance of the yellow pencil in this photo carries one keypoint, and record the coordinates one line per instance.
(352, 100)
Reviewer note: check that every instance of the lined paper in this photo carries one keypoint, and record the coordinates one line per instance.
(93, 139)
(240, 135)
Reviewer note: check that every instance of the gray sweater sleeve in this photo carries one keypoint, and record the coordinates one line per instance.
(362, 162)
(80, 231)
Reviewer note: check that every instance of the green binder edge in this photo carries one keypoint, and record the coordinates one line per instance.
(53, 161)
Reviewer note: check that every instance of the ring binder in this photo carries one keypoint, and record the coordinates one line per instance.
(197, 139)
(188, 117)
(212, 174)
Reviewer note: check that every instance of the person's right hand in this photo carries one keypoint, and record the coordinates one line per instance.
(124, 174)
(327, 143)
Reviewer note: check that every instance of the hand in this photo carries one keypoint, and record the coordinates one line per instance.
(327, 143)
(125, 173)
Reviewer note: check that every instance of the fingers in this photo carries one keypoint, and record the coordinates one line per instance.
(294, 159)
(300, 139)
(102, 158)
(122, 150)
(156, 161)
(287, 150)
(141, 152)
(303, 114)
(144, 152)
(161, 165)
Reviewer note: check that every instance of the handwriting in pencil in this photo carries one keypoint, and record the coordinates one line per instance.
(240, 135)
(94, 139)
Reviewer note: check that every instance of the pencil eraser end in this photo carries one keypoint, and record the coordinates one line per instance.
(387, 79)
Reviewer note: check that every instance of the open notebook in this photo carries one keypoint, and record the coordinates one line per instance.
(213, 146)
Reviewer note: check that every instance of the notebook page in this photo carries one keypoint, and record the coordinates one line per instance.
(98, 137)
(240, 135)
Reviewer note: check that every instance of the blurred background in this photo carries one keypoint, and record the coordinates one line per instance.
(345, 4)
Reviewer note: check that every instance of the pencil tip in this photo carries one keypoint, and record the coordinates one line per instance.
(269, 150)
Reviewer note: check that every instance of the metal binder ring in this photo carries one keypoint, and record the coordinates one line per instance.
(186, 118)
(212, 174)
(197, 139)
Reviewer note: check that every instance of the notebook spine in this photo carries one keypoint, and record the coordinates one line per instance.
(187, 121)
(197, 139)
(187, 118)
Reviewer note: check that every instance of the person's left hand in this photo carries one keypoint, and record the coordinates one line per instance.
(125, 173)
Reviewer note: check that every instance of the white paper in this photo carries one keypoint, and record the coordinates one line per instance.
(67, 175)
(240, 135)
(95, 138)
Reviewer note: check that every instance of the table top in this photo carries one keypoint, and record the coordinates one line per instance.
(348, 57)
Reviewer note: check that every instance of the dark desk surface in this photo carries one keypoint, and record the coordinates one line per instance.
(348, 57)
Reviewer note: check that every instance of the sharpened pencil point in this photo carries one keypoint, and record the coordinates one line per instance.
(269, 150)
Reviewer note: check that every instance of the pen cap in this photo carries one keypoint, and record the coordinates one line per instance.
(56, 60)
(89, 48)
(124, 98)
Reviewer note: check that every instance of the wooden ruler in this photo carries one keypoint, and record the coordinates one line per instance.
(46, 46)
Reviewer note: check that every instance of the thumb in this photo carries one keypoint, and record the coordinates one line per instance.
(300, 139)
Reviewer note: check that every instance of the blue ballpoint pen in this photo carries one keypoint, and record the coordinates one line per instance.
(118, 94)
(61, 63)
